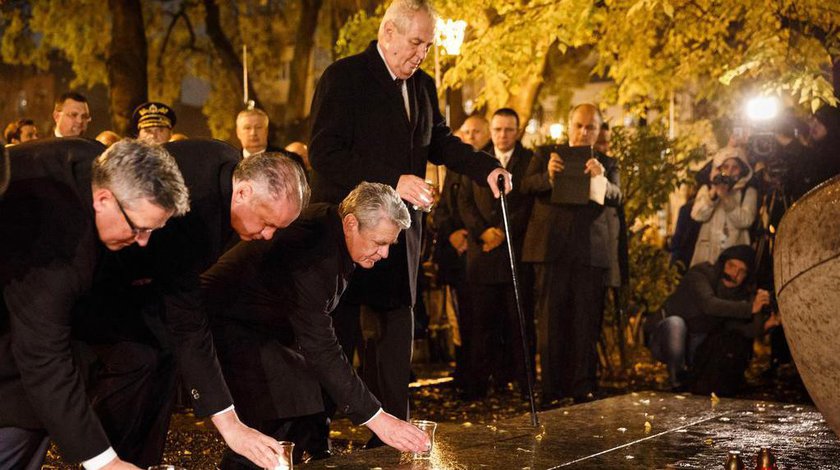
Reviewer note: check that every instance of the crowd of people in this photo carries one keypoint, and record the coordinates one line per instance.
(253, 276)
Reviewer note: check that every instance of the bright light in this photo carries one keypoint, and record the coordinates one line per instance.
(556, 130)
(533, 126)
(469, 107)
(449, 34)
(763, 108)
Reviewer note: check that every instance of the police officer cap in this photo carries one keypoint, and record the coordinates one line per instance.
(153, 114)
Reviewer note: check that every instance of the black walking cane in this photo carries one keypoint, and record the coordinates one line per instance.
(525, 349)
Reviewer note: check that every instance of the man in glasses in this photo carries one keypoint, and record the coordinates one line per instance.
(65, 207)
(145, 315)
(71, 115)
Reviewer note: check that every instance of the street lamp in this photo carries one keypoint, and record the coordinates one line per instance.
(449, 35)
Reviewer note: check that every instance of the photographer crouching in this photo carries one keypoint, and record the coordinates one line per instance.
(710, 322)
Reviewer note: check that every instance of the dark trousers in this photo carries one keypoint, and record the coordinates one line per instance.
(132, 393)
(385, 340)
(568, 298)
(22, 449)
(305, 431)
(495, 340)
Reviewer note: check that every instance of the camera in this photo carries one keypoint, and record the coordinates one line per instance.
(723, 178)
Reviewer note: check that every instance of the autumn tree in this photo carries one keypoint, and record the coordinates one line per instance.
(144, 49)
(713, 51)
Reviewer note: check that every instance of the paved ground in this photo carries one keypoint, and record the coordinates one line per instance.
(193, 443)
(647, 430)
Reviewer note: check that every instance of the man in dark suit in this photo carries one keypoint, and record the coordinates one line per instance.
(252, 132)
(376, 118)
(451, 246)
(570, 249)
(66, 206)
(492, 332)
(230, 199)
(270, 303)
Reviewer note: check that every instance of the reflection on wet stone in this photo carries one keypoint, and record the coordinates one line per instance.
(640, 430)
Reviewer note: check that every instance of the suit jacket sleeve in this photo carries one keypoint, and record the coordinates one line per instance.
(194, 350)
(450, 151)
(179, 258)
(312, 325)
(39, 307)
(536, 176)
(331, 149)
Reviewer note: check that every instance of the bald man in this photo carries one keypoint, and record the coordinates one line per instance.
(568, 245)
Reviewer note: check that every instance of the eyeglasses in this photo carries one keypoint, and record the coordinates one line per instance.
(74, 115)
(135, 230)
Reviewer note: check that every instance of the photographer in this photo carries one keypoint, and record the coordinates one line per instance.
(726, 206)
(712, 303)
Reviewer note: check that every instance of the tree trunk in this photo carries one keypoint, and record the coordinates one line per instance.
(523, 102)
(127, 57)
(295, 122)
(231, 63)
(835, 69)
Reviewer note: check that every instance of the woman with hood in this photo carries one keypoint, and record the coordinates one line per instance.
(726, 206)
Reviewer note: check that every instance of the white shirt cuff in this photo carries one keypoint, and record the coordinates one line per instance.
(372, 417)
(100, 460)
(223, 411)
(598, 189)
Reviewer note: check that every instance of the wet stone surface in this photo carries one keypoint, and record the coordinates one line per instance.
(649, 430)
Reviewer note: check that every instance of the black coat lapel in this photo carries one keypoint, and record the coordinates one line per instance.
(380, 72)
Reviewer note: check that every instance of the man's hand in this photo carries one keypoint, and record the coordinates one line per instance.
(399, 434)
(491, 239)
(458, 240)
(762, 298)
(118, 464)
(594, 167)
(555, 166)
(249, 443)
(773, 321)
(493, 181)
(416, 191)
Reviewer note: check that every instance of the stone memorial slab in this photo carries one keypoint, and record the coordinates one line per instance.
(647, 430)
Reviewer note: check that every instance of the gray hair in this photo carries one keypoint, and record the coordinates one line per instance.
(252, 112)
(135, 170)
(371, 202)
(401, 11)
(275, 176)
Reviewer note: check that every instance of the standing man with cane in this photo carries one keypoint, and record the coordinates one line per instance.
(376, 118)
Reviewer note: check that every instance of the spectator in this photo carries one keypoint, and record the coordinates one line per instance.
(712, 299)
(71, 115)
(108, 138)
(300, 149)
(569, 246)
(451, 246)
(252, 132)
(492, 334)
(682, 242)
(726, 206)
(20, 131)
(153, 122)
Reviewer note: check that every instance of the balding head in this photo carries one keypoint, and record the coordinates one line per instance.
(584, 124)
(476, 131)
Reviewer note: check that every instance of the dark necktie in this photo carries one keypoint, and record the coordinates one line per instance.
(399, 83)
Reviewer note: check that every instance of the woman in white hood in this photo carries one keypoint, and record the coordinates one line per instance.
(726, 206)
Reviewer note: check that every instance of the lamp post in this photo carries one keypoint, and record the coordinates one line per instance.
(449, 35)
